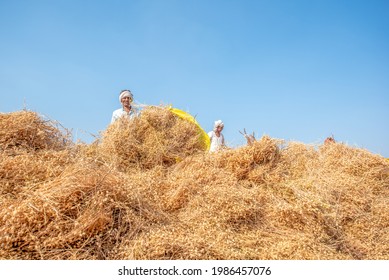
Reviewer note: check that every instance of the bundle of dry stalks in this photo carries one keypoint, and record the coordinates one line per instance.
(32, 151)
(146, 191)
(27, 130)
(156, 137)
(297, 213)
(25, 170)
(82, 214)
(357, 185)
(251, 161)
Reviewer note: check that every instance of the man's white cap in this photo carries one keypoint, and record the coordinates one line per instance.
(218, 123)
(126, 93)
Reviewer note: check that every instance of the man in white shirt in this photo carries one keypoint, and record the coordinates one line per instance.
(127, 110)
(216, 136)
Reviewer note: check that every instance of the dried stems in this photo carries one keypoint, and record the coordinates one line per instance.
(147, 190)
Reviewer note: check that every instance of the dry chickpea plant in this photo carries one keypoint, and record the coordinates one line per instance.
(147, 189)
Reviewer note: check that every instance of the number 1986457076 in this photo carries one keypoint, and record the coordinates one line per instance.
(246, 270)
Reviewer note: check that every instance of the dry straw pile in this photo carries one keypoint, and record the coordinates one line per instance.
(147, 190)
(26, 130)
(156, 138)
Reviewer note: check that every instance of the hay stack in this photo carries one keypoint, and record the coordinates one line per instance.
(82, 214)
(296, 213)
(156, 137)
(25, 170)
(26, 130)
(32, 151)
(253, 161)
(147, 191)
(357, 185)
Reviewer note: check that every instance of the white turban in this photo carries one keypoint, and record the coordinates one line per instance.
(125, 93)
(217, 124)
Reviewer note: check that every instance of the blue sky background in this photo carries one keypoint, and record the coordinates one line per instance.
(296, 70)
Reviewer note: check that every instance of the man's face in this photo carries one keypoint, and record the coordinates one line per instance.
(126, 101)
(219, 128)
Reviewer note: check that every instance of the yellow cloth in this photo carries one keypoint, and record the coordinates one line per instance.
(203, 136)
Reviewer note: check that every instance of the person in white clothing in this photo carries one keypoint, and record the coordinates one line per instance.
(127, 109)
(216, 136)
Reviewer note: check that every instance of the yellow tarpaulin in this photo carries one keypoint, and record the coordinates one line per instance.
(204, 138)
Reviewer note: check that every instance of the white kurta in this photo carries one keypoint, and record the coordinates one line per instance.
(117, 114)
(216, 142)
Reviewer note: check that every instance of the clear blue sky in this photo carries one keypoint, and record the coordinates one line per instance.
(296, 70)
